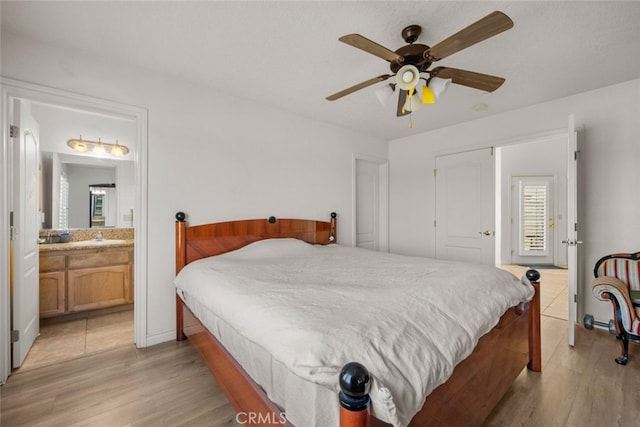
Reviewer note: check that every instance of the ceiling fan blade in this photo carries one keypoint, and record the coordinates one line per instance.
(402, 99)
(480, 81)
(489, 26)
(363, 43)
(359, 86)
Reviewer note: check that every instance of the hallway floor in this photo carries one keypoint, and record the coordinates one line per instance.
(59, 342)
(553, 289)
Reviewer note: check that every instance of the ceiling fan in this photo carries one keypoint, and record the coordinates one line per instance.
(409, 61)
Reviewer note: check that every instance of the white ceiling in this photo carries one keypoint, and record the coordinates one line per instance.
(287, 54)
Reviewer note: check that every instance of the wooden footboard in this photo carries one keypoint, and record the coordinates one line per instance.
(478, 382)
(466, 399)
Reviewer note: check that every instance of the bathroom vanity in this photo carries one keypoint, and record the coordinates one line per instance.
(85, 275)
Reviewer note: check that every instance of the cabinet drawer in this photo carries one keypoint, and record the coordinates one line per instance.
(98, 258)
(51, 263)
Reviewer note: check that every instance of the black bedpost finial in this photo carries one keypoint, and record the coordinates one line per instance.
(532, 275)
(354, 387)
(271, 220)
(181, 216)
(334, 215)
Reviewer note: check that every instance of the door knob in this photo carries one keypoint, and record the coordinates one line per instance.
(486, 233)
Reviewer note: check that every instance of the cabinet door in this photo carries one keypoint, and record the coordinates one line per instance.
(52, 293)
(98, 287)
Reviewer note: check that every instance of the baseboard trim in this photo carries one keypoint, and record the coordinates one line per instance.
(159, 338)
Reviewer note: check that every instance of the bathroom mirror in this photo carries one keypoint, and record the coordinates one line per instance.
(84, 192)
(102, 203)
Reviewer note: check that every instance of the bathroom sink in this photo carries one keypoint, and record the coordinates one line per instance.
(102, 242)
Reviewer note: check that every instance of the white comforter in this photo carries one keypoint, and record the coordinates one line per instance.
(409, 320)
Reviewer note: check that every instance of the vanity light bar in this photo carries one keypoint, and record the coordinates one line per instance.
(97, 147)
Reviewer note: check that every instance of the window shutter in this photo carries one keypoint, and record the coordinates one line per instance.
(533, 220)
(63, 221)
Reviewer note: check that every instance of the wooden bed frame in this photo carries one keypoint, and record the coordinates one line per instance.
(467, 398)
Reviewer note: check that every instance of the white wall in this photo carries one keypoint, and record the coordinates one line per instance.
(609, 155)
(210, 155)
(126, 191)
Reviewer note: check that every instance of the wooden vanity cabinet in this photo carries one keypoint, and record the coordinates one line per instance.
(89, 279)
(98, 278)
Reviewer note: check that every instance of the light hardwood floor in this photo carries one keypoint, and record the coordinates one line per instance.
(163, 385)
(579, 386)
(168, 385)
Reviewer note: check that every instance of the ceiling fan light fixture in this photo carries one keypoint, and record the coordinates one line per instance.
(384, 93)
(428, 97)
(413, 102)
(407, 77)
(439, 86)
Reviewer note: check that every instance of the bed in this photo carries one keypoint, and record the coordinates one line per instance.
(251, 342)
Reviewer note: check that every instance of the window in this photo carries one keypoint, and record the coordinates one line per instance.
(63, 214)
(534, 205)
(534, 214)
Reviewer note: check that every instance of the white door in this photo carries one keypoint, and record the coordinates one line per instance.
(532, 220)
(465, 206)
(572, 227)
(25, 289)
(367, 204)
(370, 202)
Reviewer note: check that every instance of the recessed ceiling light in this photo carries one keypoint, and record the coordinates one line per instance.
(480, 107)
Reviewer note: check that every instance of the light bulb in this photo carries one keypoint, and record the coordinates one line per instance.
(99, 148)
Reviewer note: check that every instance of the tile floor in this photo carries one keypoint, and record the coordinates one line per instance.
(63, 341)
(553, 290)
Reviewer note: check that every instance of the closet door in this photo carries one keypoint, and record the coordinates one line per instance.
(465, 206)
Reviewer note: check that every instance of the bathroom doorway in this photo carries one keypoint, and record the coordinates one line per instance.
(67, 104)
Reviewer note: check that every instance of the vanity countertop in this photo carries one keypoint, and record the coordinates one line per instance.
(85, 244)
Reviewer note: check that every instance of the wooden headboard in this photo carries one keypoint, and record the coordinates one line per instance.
(201, 241)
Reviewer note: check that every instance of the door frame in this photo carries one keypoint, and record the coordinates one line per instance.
(12, 88)
(383, 198)
(500, 221)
